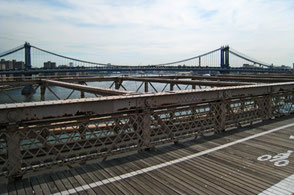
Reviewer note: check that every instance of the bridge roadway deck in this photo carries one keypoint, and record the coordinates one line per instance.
(218, 164)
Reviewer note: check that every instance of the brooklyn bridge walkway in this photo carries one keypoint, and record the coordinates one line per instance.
(251, 160)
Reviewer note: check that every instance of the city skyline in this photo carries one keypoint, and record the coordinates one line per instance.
(148, 32)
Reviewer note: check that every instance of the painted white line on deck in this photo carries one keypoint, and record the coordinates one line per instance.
(287, 184)
(148, 169)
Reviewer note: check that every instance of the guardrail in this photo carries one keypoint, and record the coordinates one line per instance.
(46, 134)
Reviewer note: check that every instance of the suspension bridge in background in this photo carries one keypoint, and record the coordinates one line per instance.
(30, 59)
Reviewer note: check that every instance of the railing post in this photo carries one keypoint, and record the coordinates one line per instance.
(146, 134)
(146, 86)
(82, 92)
(171, 86)
(265, 107)
(141, 121)
(142, 126)
(13, 152)
(219, 111)
(42, 91)
(222, 115)
(117, 83)
(269, 105)
(193, 85)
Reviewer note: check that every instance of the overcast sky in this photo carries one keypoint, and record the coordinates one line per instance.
(150, 31)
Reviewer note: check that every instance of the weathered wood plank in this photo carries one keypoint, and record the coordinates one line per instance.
(38, 186)
(50, 182)
(19, 187)
(134, 183)
(81, 182)
(11, 189)
(27, 186)
(66, 182)
(182, 183)
(211, 173)
(150, 183)
(111, 169)
(88, 179)
(95, 176)
(73, 180)
(3, 189)
(60, 186)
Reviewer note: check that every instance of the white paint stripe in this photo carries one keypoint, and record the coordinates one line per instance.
(276, 190)
(286, 184)
(148, 169)
(68, 192)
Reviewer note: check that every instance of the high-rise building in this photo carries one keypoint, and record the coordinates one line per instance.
(11, 65)
(18, 65)
(49, 65)
(2, 66)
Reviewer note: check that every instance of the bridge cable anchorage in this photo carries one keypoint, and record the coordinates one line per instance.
(12, 51)
(250, 59)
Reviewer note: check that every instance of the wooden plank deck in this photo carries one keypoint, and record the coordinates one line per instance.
(219, 164)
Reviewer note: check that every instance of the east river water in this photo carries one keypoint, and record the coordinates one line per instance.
(63, 93)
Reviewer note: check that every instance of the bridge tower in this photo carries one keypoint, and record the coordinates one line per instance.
(28, 89)
(225, 59)
(27, 47)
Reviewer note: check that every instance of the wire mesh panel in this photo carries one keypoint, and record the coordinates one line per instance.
(63, 142)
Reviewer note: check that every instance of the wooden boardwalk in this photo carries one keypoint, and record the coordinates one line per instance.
(245, 161)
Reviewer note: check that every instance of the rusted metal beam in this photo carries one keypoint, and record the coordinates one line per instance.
(216, 80)
(234, 78)
(87, 79)
(283, 76)
(20, 82)
(107, 105)
(88, 89)
(186, 82)
(30, 81)
(157, 79)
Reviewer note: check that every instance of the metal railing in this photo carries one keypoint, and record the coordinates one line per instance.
(46, 134)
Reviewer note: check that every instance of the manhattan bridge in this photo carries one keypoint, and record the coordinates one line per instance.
(35, 60)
